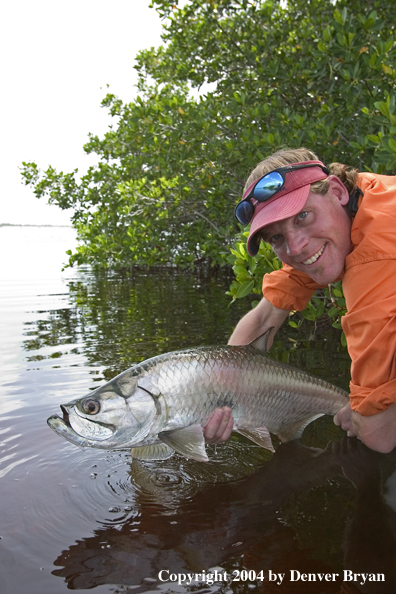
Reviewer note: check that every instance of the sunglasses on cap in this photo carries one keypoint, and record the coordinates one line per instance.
(266, 187)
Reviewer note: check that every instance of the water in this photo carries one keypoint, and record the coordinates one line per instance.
(79, 519)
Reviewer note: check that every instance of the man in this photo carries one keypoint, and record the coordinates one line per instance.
(326, 225)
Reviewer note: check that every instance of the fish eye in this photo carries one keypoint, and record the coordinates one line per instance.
(90, 406)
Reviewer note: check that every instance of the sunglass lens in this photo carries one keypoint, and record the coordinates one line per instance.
(244, 212)
(267, 186)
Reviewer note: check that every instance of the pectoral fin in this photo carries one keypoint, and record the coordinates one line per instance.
(157, 451)
(260, 435)
(188, 441)
(296, 430)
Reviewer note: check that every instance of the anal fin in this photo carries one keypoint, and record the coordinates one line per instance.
(295, 431)
(157, 451)
(188, 441)
(260, 436)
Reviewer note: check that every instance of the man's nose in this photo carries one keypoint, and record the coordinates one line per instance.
(296, 241)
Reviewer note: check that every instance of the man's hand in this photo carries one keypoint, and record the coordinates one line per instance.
(219, 426)
(253, 324)
(344, 419)
(377, 432)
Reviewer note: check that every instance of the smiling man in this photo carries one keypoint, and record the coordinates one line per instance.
(328, 224)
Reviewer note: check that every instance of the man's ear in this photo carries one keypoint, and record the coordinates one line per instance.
(339, 190)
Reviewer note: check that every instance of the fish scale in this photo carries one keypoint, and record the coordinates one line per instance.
(196, 382)
(161, 404)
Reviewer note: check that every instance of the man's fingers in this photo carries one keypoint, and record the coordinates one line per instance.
(351, 433)
(219, 426)
(226, 426)
(343, 417)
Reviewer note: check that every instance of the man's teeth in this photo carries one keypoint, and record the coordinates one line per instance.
(315, 257)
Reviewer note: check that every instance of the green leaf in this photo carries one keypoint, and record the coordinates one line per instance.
(338, 17)
(239, 269)
(392, 144)
(327, 34)
(244, 289)
(383, 108)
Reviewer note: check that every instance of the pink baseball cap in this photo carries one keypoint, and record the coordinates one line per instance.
(285, 203)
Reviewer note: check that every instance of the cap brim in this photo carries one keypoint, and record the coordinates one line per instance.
(277, 209)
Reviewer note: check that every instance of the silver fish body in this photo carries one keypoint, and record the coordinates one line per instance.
(160, 405)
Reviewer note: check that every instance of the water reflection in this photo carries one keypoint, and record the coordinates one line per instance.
(250, 522)
(369, 542)
(115, 321)
(118, 320)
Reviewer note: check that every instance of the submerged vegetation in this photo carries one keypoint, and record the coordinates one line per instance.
(172, 165)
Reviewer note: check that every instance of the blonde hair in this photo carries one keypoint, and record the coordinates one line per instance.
(347, 175)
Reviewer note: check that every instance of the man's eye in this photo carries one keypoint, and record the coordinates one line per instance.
(302, 214)
(275, 238)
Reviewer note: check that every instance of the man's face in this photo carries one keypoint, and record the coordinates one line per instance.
(317, 239)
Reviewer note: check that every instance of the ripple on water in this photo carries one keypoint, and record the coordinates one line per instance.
(98, 475)
(169, 482)
(87, 484)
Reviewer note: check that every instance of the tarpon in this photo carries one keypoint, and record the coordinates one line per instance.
(160, 405)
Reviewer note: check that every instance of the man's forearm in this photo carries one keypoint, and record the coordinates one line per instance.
(257, 321)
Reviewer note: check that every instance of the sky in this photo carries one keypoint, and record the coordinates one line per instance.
(57, 59)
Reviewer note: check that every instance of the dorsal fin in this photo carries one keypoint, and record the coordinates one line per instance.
(260, 343)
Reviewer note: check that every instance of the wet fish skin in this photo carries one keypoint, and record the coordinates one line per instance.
(161, 404)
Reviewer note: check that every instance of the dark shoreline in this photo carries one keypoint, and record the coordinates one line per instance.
(28, 225)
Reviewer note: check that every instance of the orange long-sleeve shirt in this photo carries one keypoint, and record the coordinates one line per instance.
(369, 285)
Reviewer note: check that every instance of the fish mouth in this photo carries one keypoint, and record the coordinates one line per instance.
(72, 427)
(62, 427)
(65, 415)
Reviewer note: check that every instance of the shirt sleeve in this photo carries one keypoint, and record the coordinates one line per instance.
(288, 288)
(370, 329)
